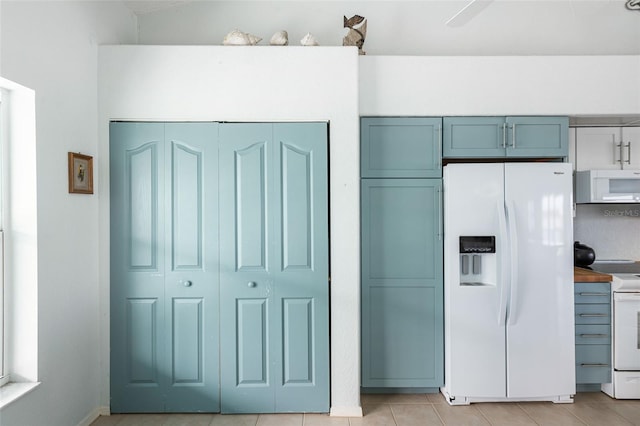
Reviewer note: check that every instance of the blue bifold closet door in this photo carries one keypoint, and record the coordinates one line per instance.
(219, 267)
(164, 267)
(274, 267)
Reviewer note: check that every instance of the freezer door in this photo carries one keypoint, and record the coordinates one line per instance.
(540, 325)
(474, 329)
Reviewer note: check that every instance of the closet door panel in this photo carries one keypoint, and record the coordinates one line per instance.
(138, 379)
(246, 287)
(191, 277)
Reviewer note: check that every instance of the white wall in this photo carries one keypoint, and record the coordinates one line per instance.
(500, 85)
(202, 83)
(505, 27)
(51, 47)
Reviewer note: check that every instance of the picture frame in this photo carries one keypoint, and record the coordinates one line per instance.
(80, 173)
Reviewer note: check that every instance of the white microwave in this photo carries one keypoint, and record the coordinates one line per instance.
(608, 186)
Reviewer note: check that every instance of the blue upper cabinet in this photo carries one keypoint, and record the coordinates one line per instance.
(400, 147)
(496, 137)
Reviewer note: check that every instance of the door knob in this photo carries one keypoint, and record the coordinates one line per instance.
(187, 283)
(251, 284)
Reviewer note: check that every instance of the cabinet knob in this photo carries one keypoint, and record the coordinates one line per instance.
(187, 283)
(251, 284)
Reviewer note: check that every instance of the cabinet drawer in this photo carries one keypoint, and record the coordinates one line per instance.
(593, 363)
(592, 293)
(597, 313)
(596, 334)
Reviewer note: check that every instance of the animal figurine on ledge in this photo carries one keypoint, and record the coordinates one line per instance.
(355, 36)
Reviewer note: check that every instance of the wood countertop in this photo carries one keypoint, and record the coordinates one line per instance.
(581, 275)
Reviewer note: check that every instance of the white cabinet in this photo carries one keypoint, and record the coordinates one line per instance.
(607, 148)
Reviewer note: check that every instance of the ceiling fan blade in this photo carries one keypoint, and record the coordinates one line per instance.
(467, 13)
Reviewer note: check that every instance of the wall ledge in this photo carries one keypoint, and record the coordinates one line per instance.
(13, 391)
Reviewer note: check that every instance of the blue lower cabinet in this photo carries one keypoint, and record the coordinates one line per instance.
(593, 364)
(402, 283)
(593, 334)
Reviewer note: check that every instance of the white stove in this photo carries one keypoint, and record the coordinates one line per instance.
(625, 326)
(625, 282)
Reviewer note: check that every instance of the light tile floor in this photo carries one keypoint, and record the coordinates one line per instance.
(418, 410)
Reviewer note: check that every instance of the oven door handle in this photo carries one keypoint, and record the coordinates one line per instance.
(626, 297)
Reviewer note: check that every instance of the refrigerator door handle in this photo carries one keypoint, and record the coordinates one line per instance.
(513, 262)
(503, 260)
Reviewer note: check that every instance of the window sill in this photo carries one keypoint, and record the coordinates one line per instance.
(13, 391)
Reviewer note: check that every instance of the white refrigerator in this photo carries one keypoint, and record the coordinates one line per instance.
(508, 275)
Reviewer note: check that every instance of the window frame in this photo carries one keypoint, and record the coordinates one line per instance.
(4, 367)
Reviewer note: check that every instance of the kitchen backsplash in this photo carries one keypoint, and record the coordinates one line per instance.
(612, 230)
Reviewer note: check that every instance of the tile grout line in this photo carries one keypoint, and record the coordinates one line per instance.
(438, 414)
(527, 414)
(393, 416)
(483, 416)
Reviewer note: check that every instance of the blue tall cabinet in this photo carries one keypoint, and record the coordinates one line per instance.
(402, 248)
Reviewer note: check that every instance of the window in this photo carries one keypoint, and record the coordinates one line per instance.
(19, 243)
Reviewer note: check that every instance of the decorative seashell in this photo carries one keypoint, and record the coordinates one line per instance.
(239, 38)
(309, 40)
(253, 40)
(281, 38)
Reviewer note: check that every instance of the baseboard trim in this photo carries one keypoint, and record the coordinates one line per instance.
(346, 412)
(91, 417)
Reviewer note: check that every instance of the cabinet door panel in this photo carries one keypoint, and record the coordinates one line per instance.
(402, 340)
(400, 227)
(468, 137)
(631, 149)
(538, 136)
(400, 352)
(400, 147)
(596, 148)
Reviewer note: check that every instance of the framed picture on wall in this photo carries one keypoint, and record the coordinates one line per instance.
(80, 173)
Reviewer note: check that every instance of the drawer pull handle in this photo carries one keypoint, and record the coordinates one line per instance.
(593, 294)
(594, 336)
(593, 315)
(593, 365)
